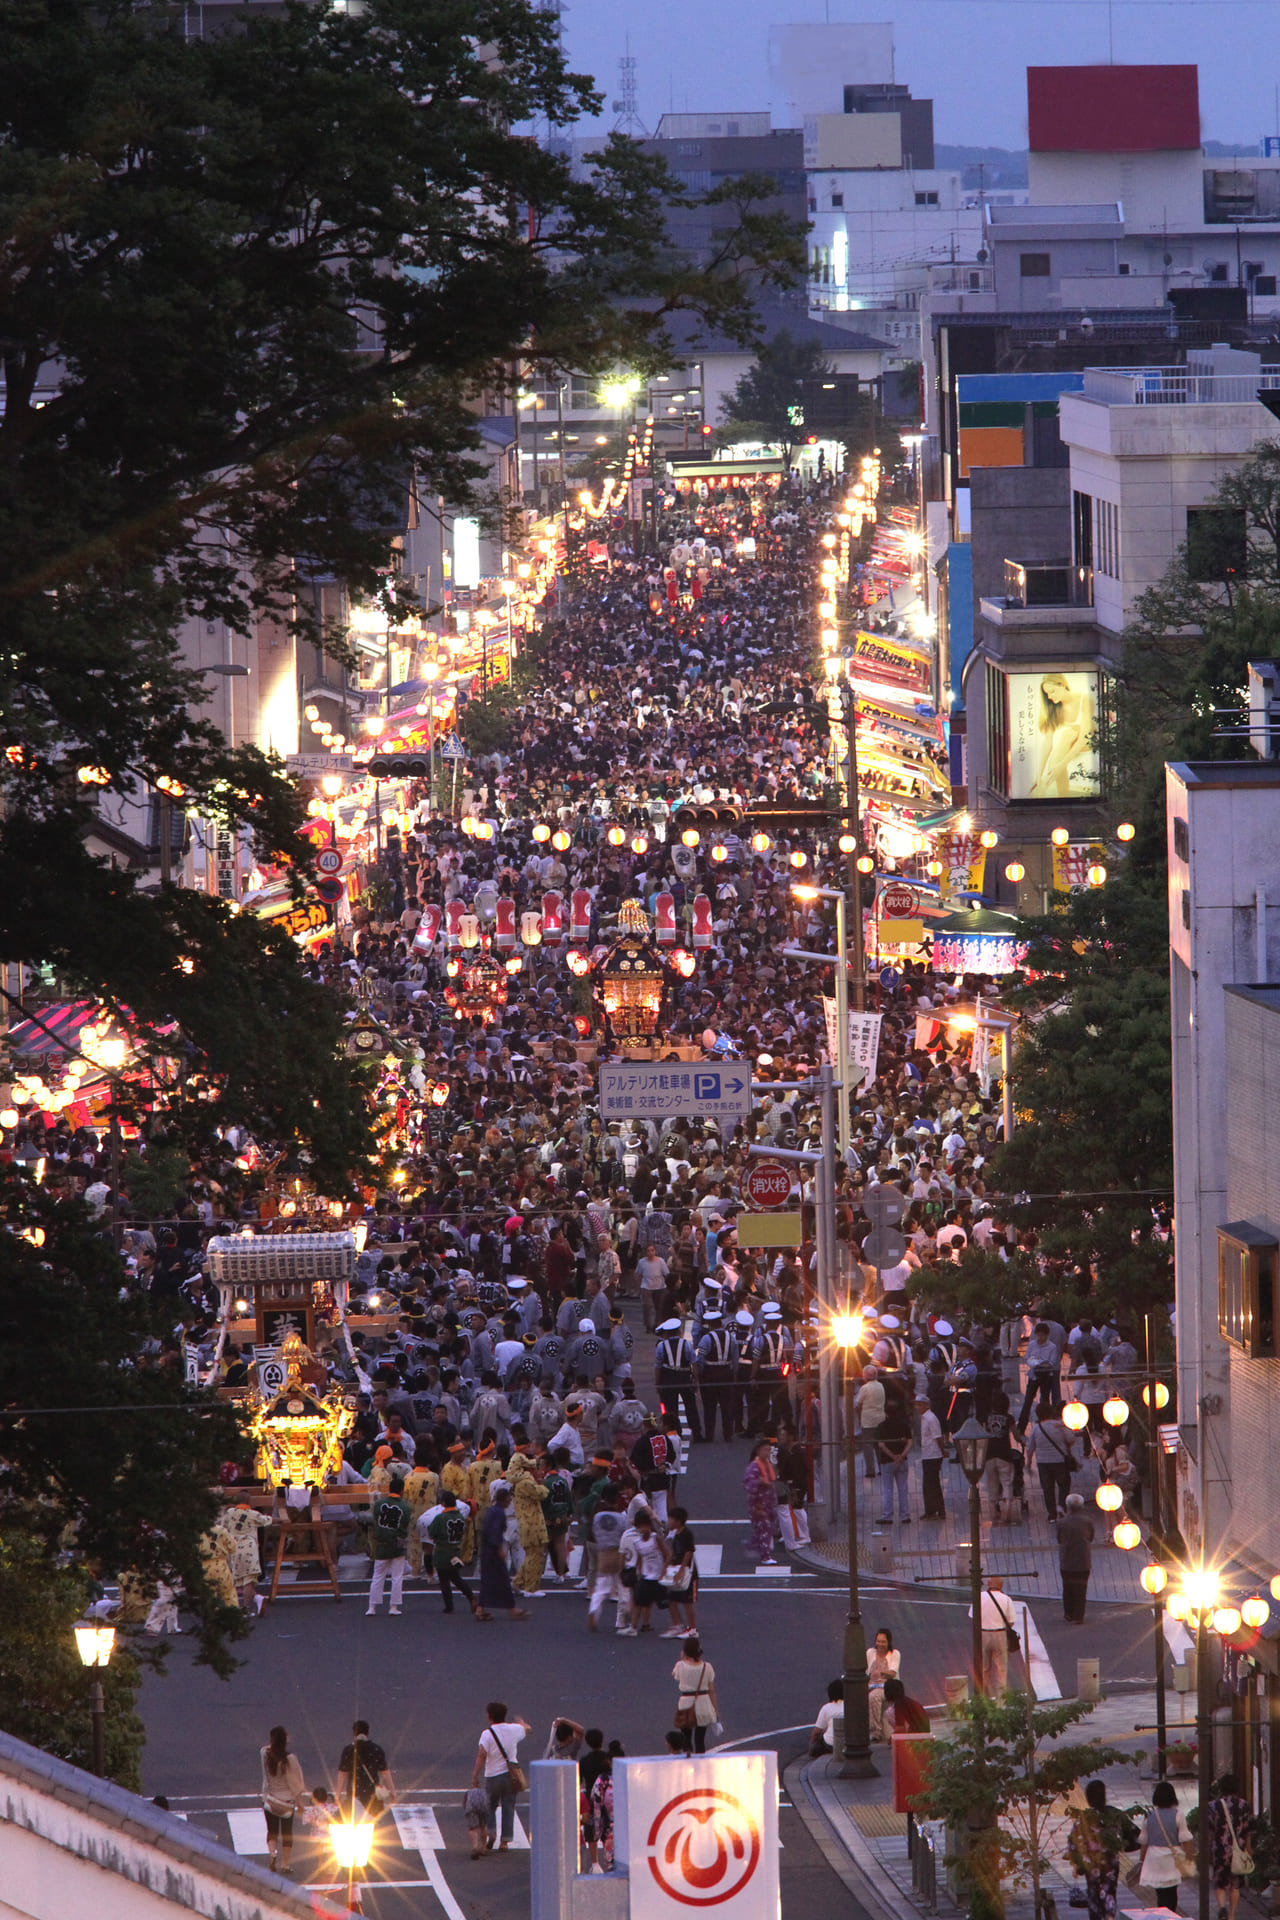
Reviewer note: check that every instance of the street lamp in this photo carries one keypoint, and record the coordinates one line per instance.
(94, 1644)
(846, 1330)
(352, 1843)
(971, 1443)
(1198, 1605)
(805, 892)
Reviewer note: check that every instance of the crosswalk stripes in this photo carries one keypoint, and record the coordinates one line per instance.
(248, 1829)
(418, 1828)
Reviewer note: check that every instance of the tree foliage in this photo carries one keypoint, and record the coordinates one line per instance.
(996, 1782)
(44, 1689)
(107, 1452)
(771, 393)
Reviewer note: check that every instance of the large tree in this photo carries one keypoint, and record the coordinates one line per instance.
(770, 396)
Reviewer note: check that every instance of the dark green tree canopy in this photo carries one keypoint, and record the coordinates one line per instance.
(770, 395)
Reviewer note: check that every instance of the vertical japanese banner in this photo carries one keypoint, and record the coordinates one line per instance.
(964, 861)
(1071, 865)
(864, 1043)
(864, 1047)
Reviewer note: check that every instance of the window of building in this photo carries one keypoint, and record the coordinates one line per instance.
(1082, 528)
(1106, 539)
(1218, 273)
(1034, 266)
(997, 731)
(689, 149)
(837, 199)
(1123, 267)
(1247, 1289)
(929, 199)
(1217, 543)
(1265, 284)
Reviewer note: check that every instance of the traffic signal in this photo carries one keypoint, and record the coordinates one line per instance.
(404, 766)
(716, 815)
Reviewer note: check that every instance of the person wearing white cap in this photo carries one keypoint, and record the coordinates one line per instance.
(715, 1363)
(769, 1353)
(588, 1352)
(673, 1368)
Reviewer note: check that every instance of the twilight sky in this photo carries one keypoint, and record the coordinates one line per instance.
(970, 55)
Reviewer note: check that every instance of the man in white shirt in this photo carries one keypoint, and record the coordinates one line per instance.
(998, 1615)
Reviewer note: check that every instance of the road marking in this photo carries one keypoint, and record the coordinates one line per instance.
(707, 1561)
(418, 1828)
(779, 1572)
(248, 1829)
(440, 1886)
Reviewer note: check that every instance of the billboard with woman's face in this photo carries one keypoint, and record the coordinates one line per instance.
(1053, 736)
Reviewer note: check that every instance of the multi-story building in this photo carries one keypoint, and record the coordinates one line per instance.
(709, 150)
(881, 214)
(1224, 937)
(1145, 449)
(1124, 209)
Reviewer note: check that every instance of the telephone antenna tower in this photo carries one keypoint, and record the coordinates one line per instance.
(626, 105)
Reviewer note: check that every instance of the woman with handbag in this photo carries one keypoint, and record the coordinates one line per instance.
(283, 1792)
(1166, 1848)
(696, 1707)
(682, 1577)
(500, 1773)
(1230, 1826)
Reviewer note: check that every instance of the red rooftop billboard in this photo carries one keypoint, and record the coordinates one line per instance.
(1112, 109)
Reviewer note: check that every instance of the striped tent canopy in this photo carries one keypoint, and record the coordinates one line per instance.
(62, 1023)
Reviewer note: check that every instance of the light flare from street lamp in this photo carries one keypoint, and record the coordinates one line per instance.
(846, 1330)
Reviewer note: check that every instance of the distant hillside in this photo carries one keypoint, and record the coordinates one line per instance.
(991, 168)
(985, 167)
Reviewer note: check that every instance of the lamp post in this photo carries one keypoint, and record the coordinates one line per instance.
(971, 1442)
(94, 1644)
(352, 1843)
(1197, 1605)
(1154, 1579)
(841, 1062)
(857, 1763)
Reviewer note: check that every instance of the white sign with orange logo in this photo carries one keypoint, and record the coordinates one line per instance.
(699, 1836)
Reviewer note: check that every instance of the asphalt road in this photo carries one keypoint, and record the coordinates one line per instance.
(422, 1682)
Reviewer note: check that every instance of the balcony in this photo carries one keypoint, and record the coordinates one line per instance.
(1174, 386)
(1039, 583)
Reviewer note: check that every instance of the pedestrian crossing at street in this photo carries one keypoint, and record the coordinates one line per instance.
(417, 1826)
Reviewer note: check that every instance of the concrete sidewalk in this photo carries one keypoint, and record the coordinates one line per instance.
(864, 1840)
(924, 1552)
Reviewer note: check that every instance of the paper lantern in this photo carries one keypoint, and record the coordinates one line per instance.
(1153, 1579)
(1075, 1415)
(640, 844)
(1128, 1534)
(799, 859)
(561, 841)
(1126, 831)
(988, 839)
(1015, 871)
(615, 836)
(1060, 836)
(1097, 874)
(1109, 1497)
(847, 843)
(690, 837)
(542, 833)
(1226, 1620)
(1115, 1411)
(1255, 1612)
(1162, 1396)
(760, 843)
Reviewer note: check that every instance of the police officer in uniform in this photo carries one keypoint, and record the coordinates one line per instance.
(769, 1353)
(673, 1374)
(743, 1328)
(715, 1363)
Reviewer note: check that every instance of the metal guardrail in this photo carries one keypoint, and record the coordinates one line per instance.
(1173, 386)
